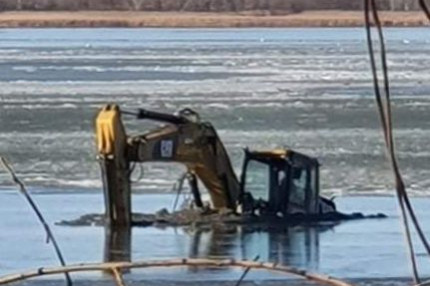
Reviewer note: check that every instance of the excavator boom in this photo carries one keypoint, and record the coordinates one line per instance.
(183, 139)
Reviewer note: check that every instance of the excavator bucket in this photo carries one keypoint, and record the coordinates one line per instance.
(110, 134)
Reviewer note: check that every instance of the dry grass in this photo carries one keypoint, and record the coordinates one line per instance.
(186, 19)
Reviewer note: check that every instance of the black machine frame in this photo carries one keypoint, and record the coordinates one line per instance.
(281, 190)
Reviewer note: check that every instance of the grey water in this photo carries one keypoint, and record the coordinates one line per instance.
(363, 249)
(306, 89)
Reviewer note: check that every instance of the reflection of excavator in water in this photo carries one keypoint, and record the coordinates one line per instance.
(277, 182)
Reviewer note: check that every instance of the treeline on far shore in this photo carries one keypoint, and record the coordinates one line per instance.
(273, 6)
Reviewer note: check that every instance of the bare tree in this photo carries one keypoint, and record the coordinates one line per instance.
(135, 5)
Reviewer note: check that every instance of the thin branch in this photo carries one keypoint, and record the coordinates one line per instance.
(321, 278)
(118, 277)
(400, 186)
(246, 271)
(425, 283)
(384, 108)
(425, 8)
(49, 234)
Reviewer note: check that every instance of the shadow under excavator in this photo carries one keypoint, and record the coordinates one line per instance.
(295, 246)
(117, 244)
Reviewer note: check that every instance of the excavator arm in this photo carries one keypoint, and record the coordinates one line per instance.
(182, 139)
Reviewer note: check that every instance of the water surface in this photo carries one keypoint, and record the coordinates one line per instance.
(355, 250)
(308, 89)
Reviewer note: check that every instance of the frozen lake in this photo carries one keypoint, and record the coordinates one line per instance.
(308, 89)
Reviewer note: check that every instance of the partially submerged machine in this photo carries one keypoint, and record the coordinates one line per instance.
(275, 182)
(289, 183)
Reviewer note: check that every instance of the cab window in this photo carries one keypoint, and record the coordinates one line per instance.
(257, 180)
(298, 187)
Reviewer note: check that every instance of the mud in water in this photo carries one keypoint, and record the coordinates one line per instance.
(195, 217)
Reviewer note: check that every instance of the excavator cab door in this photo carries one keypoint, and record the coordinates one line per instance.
(303, 189)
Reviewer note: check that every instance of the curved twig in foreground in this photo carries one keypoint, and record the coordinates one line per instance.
(111, 266)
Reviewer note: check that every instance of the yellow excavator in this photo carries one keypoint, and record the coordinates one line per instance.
(279, 182)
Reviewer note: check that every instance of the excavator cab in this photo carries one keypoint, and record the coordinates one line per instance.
(281, 182)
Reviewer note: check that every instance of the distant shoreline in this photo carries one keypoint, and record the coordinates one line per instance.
(331, 18)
